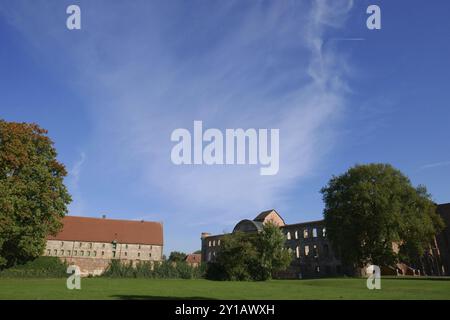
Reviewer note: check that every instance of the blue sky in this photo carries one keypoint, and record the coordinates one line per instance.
(111, 93)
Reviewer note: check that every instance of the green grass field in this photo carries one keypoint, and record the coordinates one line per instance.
(104, 288)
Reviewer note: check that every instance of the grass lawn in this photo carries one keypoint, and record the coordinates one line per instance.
(103, 288)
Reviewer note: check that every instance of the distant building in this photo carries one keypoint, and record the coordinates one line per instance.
(194, 259)
(91, 243)
(314, 256)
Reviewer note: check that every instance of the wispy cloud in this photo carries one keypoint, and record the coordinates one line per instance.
(151, 70)
(73, 184)
(435, 165)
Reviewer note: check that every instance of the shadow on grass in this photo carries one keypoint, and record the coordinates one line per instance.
(149, 297)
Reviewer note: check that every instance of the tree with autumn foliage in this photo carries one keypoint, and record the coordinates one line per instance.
(33, 197)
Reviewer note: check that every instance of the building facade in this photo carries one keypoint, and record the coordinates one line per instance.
(314, 255)
(91, 243)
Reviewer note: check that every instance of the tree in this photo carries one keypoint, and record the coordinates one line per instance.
(176, 256)
(273, 256)
(373, 209)
(236, 259)
(250, 256)
(33, 198)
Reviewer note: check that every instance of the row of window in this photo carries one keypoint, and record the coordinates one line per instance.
(89, 245)
(315, 251)
(305, 233)
(213, 243)
(82, 253)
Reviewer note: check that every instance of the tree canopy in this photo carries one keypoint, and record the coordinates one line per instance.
(373, 214)
(250, 256)
(176, 256)
(33, 197)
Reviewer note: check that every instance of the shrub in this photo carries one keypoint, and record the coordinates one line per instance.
(158, 270)
(41, 267)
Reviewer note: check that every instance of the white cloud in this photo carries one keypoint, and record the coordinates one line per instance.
(435, 165)
(74, 174)
(231, 68)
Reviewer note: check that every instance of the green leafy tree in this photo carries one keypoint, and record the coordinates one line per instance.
(250, 256)
(273, 256)
(374, 215)
(236, 258)
(176, 256)
(33, 198)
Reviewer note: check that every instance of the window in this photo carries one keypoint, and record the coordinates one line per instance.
(126, 253)
(296, 234)
(139, 254)
(95, 253)
(150, 255)
(297, 252)
(315, 252)
(209, 256)
(80, 244)
(81, 253)
(151, 247)
(314, 232)
(209, 244)
(49, 252)
(88, 253)
(90, 245)
(103, 246)
(306, 250)
(317, 269)
(68, 252)
(214, 243)
(62, 252)
(288, 235)
(75, 252)
(139, 247)
(62, 243)
(126, 246)
(324, 232)
(103, 253)
(114, 254)
(305, 233)
(55, 252)
(218, 242)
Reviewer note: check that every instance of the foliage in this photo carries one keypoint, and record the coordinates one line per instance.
(176, 256)
(42, 267)
(371, 208)
(273, 256)
(157, 270)
(250, 256)
(33, 198)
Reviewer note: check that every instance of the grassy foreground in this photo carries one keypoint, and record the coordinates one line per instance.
(104, 288)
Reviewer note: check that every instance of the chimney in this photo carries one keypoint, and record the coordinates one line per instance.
(205, 235)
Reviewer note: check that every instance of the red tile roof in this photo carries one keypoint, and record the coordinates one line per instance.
(107, 230)
(193, 258)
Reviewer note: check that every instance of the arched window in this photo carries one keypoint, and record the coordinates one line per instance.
(288, 235)
(296, 234)
(297, 252)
